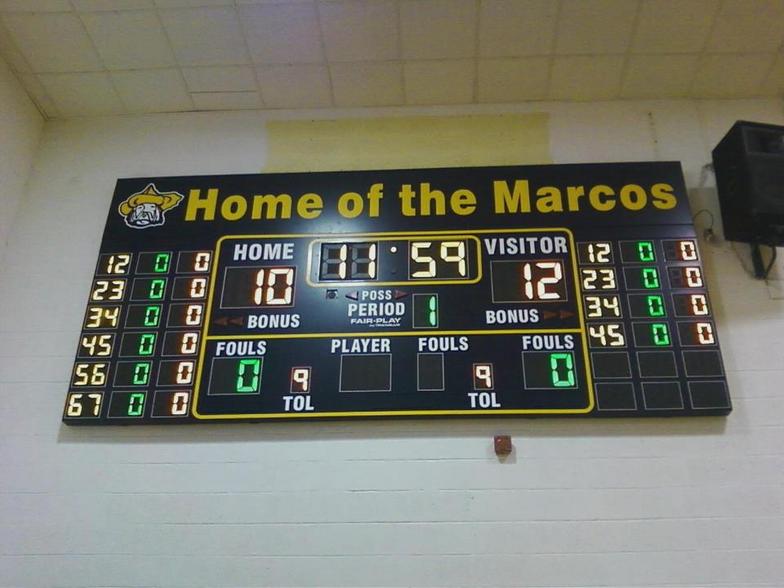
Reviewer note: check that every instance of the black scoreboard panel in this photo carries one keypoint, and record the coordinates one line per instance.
(573, 290)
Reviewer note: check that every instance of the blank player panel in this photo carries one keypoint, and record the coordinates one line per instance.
(615, 396)
(610, 364)
(430, 371)
(703, 364)
(657, 364)
(662, 395)
(709, 395)
(366, 373)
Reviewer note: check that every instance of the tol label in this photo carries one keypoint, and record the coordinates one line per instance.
(483, 400)
(298, 403)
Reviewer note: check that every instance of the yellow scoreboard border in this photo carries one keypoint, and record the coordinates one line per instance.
(365, 414)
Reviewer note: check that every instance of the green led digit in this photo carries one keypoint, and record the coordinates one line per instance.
(248, 371)
(146, 343)
(562, 363)
(645, 251)
(655, 305)
(141, 373)
(152, 315)
(161, 265)
(157, 288)
(650, 277)
(136, 404)
(432, 311)
(661, 334)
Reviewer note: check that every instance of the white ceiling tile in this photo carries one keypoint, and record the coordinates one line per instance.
(509, 28)
(98, 5)
(223, 78)
(513, 80)
(226, 100)
(774, 83)
(367, 84)
(673, 26)
(10, 53)
(586, 78)
(433, 29)
(659, 76)
(78, 94)
(35, 6)
(439, 82)
(156, 90)
(282, 33)
(595, 26)
(295, 86)
(129, 40)
(748, 25)
(191, 3)
(728, 76)
(219, 41)
(357, 30)
(205, 36)
(39, 95)
(55, 42)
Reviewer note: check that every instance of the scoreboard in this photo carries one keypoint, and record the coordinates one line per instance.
(564, 290)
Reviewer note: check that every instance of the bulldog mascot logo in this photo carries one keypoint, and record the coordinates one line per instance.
(148, 207)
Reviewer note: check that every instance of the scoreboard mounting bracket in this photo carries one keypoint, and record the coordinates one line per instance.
(564, 290)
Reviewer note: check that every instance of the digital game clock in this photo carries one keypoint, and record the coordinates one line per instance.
(573, 290)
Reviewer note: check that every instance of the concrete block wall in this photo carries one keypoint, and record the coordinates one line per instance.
(621, 503)
(20, 130)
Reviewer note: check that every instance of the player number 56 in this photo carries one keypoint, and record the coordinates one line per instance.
(90, 374)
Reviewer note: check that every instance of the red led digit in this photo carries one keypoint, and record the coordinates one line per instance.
(705, 334)
(300, 380)
(483, 376)
(687, 251)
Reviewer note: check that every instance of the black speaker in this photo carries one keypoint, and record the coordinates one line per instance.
(749, 166)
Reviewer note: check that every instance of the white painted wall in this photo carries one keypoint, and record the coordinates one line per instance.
(20, 129)
(394, 503)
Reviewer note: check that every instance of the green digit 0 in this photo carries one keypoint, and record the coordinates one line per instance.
(161, 265)
(660, 333)
(650, 278)
(248, 371)
(645, 251)
(152, 314)
(655, 305)
(146, 343)
(560, 362)
(157, 288)
(141, 373)
(136, 404)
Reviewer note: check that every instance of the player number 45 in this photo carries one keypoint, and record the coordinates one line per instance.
(97, 345)
(607, 335)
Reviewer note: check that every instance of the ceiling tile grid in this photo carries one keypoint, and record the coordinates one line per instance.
(91, 57)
